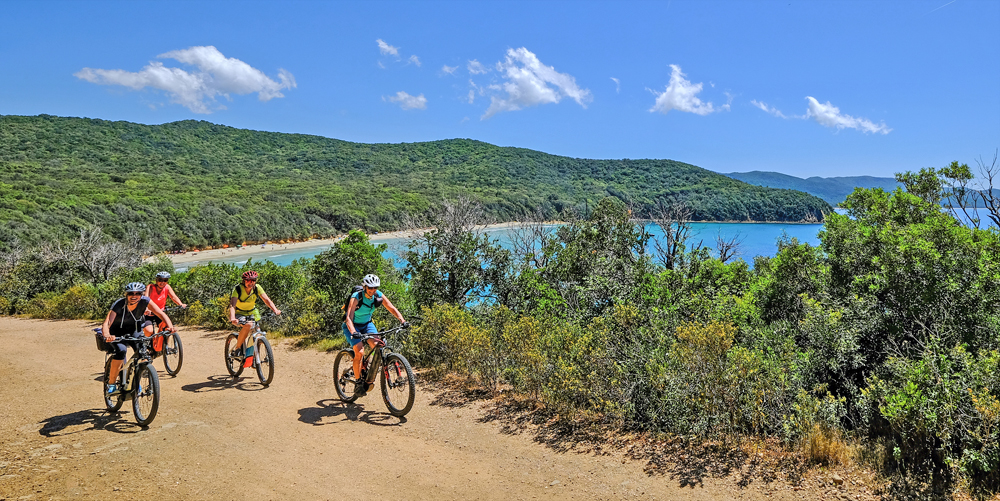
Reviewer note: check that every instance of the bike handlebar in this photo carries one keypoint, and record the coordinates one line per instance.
(127, 339)
(358, 335)
(266, 315)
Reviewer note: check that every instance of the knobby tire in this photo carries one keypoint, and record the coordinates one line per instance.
(146, 397)
(343, 369)
(265, 367)
(399, 387)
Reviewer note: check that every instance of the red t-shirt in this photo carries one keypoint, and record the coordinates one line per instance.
(159, 298)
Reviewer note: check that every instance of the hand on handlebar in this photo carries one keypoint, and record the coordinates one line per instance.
(234, 321)
(405, 325)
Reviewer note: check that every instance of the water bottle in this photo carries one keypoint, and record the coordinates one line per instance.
(248, 361)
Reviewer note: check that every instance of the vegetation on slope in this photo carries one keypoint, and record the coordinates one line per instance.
(888, 332)
(193, 183)
(832, 189)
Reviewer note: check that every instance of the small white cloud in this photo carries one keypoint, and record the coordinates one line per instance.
(449, 69)
(216, 75)
(415, 60)
(618, 85)
(408, 102)
(476, 68)
(472, 96)
(530, 83)
(386, 49)
(682, 95)
(768, 109)
(829, 115)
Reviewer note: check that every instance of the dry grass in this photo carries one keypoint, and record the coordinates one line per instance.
(826, 446)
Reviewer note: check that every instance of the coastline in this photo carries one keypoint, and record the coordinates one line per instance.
(251, 251)
(268, 249)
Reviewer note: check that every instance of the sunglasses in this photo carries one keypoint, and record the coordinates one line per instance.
(133, 293)
(161, 280)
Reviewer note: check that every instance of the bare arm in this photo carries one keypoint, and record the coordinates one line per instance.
(106, 326)
(232, 311)
(269, 303)
(174, 298)
(392, 309)
(351, 306)
(163, 316)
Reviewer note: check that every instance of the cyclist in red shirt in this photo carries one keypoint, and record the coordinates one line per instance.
(159, 292)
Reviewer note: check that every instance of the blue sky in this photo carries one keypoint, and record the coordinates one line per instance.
(803, 88)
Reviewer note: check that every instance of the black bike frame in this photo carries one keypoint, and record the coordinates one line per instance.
(382, 348)
(132, 366)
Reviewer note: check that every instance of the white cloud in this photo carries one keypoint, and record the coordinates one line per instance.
(415, 60)
(476, 68)
(472, 96)
(449, 69)
(829, 115)
(618, 85)
(530, 83)
(682, 95)
(387, 49)
(216, 75)
(408, 102)
(768, 109)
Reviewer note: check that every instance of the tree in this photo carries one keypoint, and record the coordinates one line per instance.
(674, 219)
(457, 262)
(338, 269)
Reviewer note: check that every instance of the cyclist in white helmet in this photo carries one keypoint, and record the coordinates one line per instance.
(126, 318)
(359, 318)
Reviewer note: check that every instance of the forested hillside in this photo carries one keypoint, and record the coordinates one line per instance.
(193, 183)
(832, 189)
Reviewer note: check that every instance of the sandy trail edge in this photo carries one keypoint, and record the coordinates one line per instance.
(216, 438)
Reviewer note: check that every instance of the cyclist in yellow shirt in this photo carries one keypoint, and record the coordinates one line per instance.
(243, 304)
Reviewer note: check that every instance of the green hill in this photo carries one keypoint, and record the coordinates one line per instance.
(193, 183)
(832, 189)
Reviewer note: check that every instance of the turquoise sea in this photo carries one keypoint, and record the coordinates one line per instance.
(758, 239)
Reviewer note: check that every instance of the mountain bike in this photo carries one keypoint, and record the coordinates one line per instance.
(398, 384)
(138, 379)
(169, 345)
(261, 358)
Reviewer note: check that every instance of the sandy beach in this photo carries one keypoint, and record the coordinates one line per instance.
(319, 244)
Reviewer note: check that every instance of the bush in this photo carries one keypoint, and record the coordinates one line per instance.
(940, 414)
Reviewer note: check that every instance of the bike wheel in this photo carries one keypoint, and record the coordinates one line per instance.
(115, 401)
(173, 353)
(146, 396)
(233, 364)
(399, 387)
(265, 361)
(343, 369)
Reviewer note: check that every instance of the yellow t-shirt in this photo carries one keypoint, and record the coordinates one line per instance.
(246, 303)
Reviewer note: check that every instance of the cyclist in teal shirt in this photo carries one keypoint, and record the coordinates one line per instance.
(359, 318)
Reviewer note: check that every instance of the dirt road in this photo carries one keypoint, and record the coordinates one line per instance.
(219, 438)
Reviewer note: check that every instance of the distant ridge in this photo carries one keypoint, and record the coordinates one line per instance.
(193, 183)
(832, 189)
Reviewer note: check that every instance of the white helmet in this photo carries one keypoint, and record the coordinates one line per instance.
(135, 287)
(371, 281)
(164, 275)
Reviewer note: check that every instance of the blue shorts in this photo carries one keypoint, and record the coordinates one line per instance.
(365, 328)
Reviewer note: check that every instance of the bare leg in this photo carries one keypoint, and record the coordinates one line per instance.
(359, 353)
(244, 332)
(114, 370)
